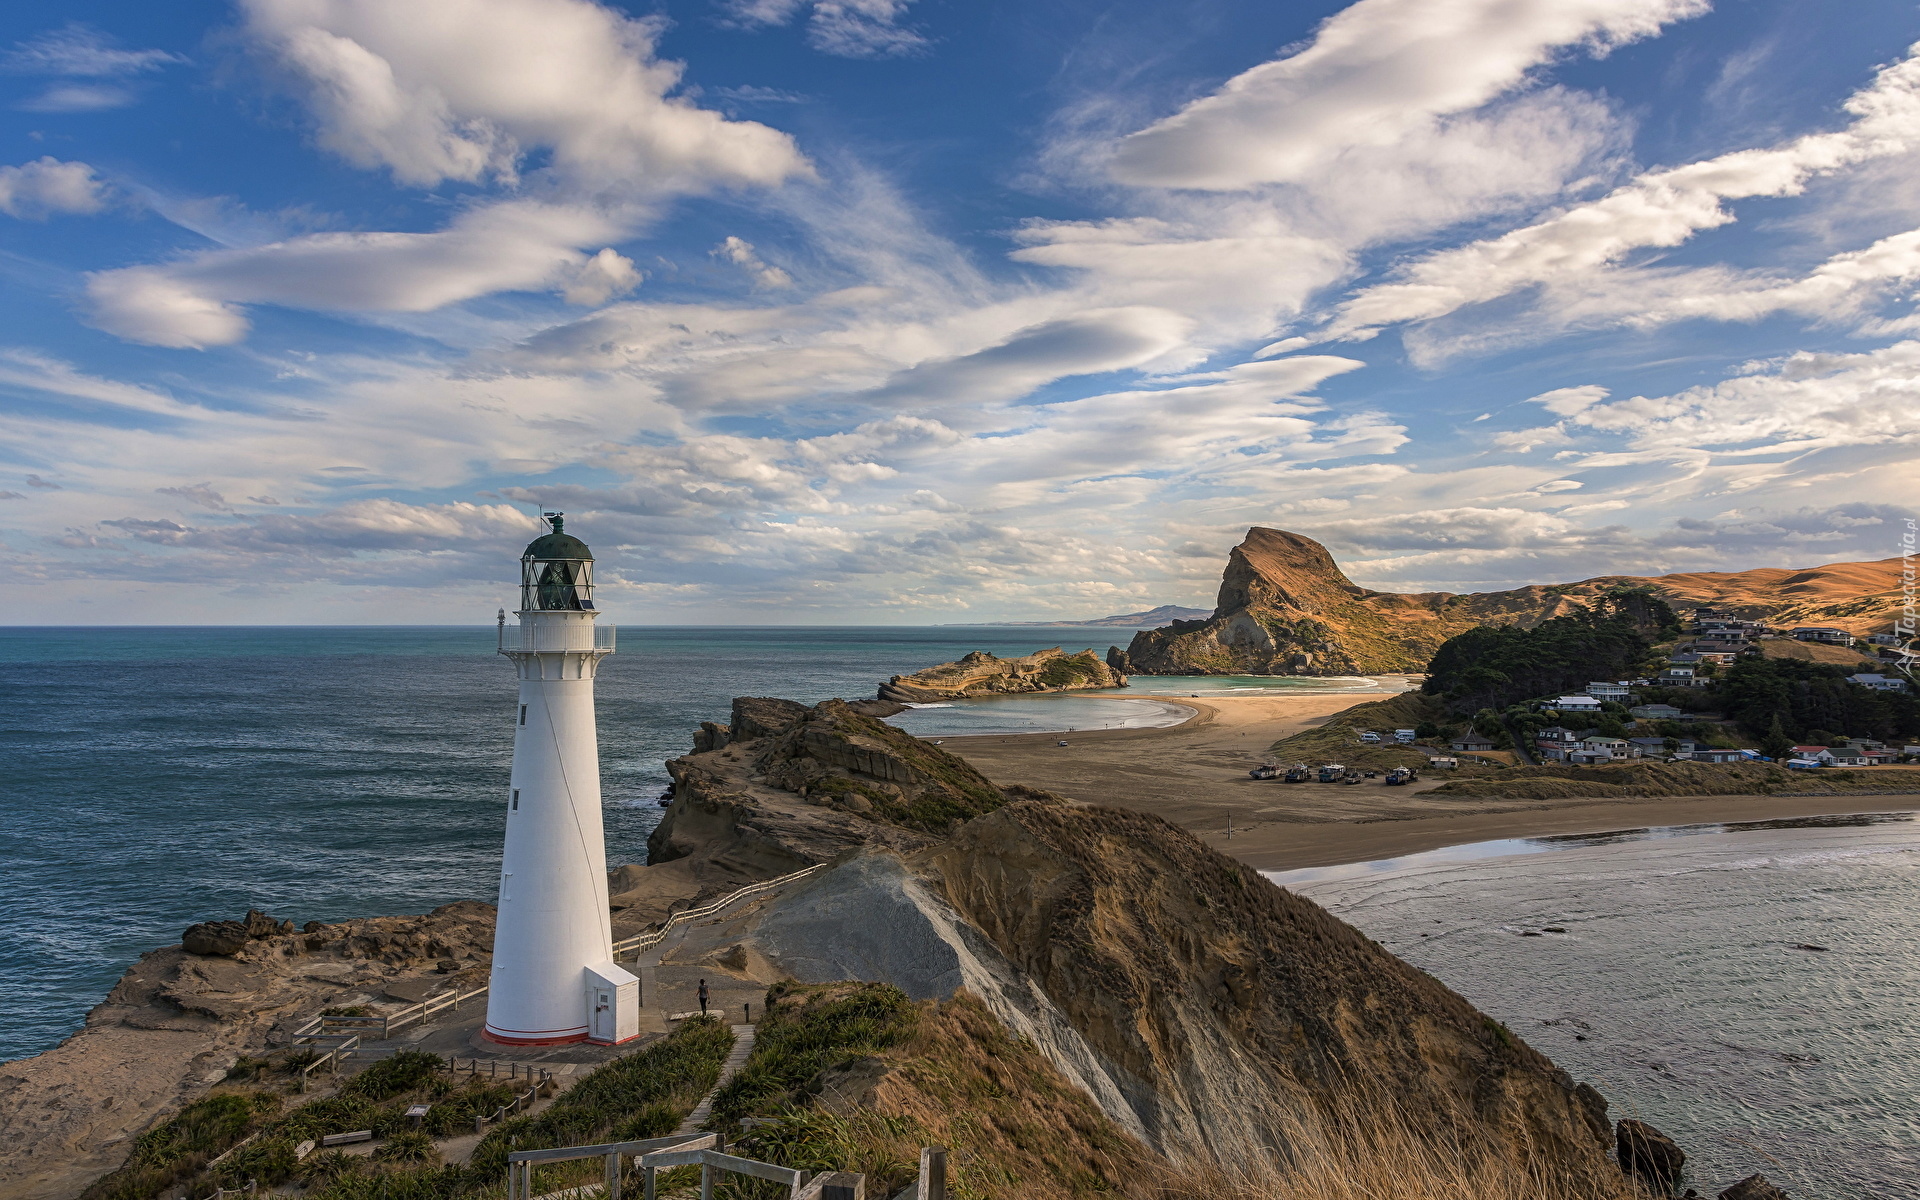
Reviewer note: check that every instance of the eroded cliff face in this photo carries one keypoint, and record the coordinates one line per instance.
(982, 674)
(1233, 1015)
(1286, 608)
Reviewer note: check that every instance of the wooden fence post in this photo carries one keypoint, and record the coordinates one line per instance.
(613, 1176)
(933, 1173)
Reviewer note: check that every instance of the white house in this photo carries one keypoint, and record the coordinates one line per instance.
(1614, 747)
(1880, 683)
(1822, 633)
(1719, 756)
(1607, 691)
(1577, 704)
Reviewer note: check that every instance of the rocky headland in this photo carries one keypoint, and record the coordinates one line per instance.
(1286, 608)
(983, 674)
(1169, 1018)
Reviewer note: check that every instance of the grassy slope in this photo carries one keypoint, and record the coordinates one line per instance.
(643, 1094)
(1339, 739)
(853, 1076)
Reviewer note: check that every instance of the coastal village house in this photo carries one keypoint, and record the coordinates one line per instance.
(1616, 692)
(1612, 747)
(1471, 742)
(1577, 704)
(1822, 633)
(1719, 756)
(1880, 683)
(1656, 747)
(1655, 712)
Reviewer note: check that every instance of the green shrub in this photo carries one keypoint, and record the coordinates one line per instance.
(403, 1072)
(408, 1146)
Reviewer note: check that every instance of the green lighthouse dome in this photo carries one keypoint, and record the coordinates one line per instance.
(556, 572)
(558, 545)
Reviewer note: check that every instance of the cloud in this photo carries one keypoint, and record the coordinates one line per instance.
(82, 52)
(1802, 402)
(1659, 208)
(1375, 74)
(509, 246)
(1086, 344)
(78, 49)
(460, 90)
(78, 97)
(1566, 401)
(200, 495)
(741, 253)
(5, 495)
(34, 481)
(46, 186)
(604, 276)
(358, 527)
(848, 28)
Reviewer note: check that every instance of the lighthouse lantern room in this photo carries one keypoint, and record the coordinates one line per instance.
(554, 979)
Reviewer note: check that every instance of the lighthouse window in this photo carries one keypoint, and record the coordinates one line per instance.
(516, 800)
(523, 714)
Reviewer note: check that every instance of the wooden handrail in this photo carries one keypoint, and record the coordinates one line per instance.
(645, 941)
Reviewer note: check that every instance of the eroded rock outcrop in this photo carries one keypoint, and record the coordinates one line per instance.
(1286, 608)
(782, 786)
(982, 674)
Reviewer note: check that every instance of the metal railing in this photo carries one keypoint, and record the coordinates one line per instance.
(653, 937)
(555, 639)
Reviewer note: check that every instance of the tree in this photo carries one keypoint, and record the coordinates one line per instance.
(1776, 743)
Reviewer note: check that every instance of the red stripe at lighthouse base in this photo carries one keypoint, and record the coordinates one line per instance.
(534, 1037)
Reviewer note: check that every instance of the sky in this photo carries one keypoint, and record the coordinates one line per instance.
(917, 311)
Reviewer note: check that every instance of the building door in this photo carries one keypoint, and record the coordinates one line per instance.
(603, 1021)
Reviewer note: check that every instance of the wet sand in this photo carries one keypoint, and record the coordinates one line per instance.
(1195, 775)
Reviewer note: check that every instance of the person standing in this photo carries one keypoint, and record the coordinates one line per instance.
(703, 997)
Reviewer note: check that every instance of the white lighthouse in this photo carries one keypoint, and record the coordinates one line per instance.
(554, 979)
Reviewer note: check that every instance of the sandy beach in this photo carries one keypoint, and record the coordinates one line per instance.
(1195, 775)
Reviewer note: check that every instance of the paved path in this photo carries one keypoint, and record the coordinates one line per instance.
(742, 1046)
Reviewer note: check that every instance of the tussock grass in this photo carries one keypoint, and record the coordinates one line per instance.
(1373, 1151)
(639, 1095)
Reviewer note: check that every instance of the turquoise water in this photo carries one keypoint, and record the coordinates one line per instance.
(157, 777)
(1682, 986)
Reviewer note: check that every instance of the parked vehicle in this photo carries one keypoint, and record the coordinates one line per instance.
(1299, 773)
(1397, 776)
(1369, 737)
(1331, 772)
(1403, 735)
(1264, 771)
(1350, 777)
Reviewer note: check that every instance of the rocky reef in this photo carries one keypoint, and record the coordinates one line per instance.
(1286, 608)
(982, 674)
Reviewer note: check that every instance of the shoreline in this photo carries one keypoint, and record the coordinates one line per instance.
(1194, 775)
